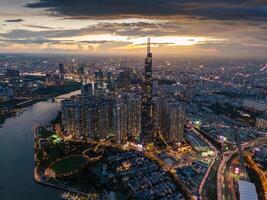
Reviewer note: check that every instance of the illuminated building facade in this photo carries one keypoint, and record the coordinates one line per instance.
(173, 121)
(146, 123)
(134, 116)
(120, 122)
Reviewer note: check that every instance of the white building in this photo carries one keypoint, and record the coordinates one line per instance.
(247, 190)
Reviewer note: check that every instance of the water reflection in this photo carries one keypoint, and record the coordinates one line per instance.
(16, 154)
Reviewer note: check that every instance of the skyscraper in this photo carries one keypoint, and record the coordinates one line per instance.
(120, 122)
(61, 68)
(74, 117)
(146, 124)
(173, 121)
(61, 73)
(134, 116)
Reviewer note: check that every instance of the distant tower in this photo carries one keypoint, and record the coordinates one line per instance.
(61, 68)
(61, 73)
(146, 123)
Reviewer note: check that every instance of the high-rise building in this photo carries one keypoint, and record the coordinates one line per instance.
(146, 124)
(68, 116)
(120, 122)
(157, 112)
(87, 117)
(61, 68)
(134, 116)
(173, 120)
(155, 87)
(99, 79)
(103, 117)
(54, 79)
(74, 117)
(100, 86)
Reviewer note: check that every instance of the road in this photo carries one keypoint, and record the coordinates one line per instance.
(211, 165)
(263, 178)
(225, 183)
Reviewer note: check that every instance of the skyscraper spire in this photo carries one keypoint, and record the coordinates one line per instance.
(148, 45)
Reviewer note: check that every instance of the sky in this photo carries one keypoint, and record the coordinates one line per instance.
(229, 28)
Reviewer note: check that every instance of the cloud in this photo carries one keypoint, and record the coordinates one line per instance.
(241, 24)
(38, 26)
(125, 29)
(14, 20)
(253, 10)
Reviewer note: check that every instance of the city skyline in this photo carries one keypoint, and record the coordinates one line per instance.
(178, 28)
(183, 130)
(133, 99)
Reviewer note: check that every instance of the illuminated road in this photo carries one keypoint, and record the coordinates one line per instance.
(211, 165)
(260, 173)
(225, 183)
(229, 186)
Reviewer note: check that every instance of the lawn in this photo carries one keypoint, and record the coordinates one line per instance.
(69, 164)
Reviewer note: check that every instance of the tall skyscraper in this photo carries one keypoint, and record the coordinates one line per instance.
(146, 124)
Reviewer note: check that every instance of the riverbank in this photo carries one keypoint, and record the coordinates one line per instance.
(39, 174)
(12, 107)
(64, 188)
(17, 153)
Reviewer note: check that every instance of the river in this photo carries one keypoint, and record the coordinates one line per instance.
(17, 151)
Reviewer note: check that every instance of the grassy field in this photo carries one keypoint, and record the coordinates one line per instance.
(69, 164)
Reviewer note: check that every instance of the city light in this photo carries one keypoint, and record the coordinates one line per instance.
(134, 100)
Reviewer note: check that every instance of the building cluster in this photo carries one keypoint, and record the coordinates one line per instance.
(6, 88)
(261, 122)
(192, 175)
(119, 117)
(6, 91)
(127, 113)
(13, 85)
(55, 78)
(260, 156)
(142, 177)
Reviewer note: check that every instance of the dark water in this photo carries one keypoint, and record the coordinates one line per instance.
(16, 154)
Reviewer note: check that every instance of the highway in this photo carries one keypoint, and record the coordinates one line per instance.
(263, 178)
(225, 183)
